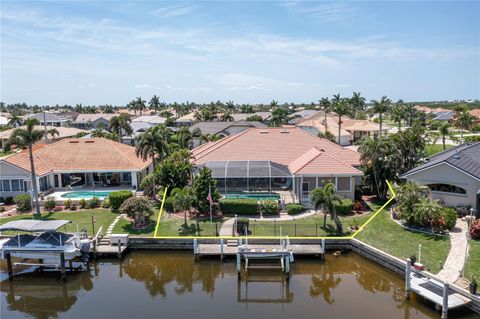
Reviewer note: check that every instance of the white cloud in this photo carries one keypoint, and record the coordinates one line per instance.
(143, 86)
(174, 11)
(343, 85)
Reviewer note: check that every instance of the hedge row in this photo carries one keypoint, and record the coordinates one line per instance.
(344, 206)
(117, 198)
(294, 209)
(239, 206)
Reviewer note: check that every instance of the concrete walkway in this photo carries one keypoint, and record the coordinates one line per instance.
(115, 221)
(458, 243)
(227, 228)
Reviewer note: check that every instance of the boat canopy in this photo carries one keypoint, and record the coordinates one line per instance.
(30, 225)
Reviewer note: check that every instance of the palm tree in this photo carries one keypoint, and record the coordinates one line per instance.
(398, 114)
(121, 124)
(324, 197)
(15, 120)
(273, 103)
(358, 103)
(26, 137)
(154, 103)
(464, 121)
(227, 117)
(184, 137)
(279, 117)
(381, 107)
(182, 200)
(326, 106)
(427, 211)
(444, 131)
(209, 138)
(53, 132)
(153, 143)
(140, 104)
(408, 195)
(341, 108)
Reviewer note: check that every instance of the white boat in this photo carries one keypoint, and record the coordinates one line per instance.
(44, 241)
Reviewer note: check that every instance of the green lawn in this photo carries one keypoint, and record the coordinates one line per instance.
(437, 148)
(473, 262)
(80, 219)
(384, 234)
(169, 226)
(304, 227)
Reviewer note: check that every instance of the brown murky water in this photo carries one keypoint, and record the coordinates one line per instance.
(172, 285)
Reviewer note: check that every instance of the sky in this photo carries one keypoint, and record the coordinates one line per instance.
(110, 52)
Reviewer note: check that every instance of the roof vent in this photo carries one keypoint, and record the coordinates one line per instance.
(74, 141)
(284, 132)
(264, 132)
(89, 141)
(456, 157)
(322, 150)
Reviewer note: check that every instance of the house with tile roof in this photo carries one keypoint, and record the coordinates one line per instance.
(73, 162)
(63, 132)
(221, 129)
(88, 121)
(284, 160)
(452, 175)
(351, 130)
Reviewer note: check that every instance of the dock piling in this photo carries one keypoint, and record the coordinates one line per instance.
(238, 265)
(408, 270)
(445, 301)
(195, 248)
(9, 265)
(119, 248)
(221, 249)
(323, 247)
(62, 266)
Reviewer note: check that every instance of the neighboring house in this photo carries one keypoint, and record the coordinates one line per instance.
(138, 128)
(74, 163)
(63, 132)
(50, 119)
(150, 119)
(222, 129)
(476, 114)
(186, 120)
(288, 161)
(87, 121)
(299, 115)
(243, 116)
(446, 116)
(3, 120)
(351, 130)
(452, 175)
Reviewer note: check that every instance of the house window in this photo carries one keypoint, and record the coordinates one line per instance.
(6, 185)
(343, 184)
(447, 188)
(16, 187)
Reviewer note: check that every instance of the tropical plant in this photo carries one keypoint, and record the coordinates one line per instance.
(398, 114)
(444, 130)
(427, 212)
(15, 119)
(121, 124)
(408, 195)
(279, 117)
(475, 229)
(324, 197)
(226, 117)
(117, 198)
(49, 204)
(183, 138)
(175, 170)
(326, 107)
(202, 184)
(254, 118)
(53, 132)
(410, 146)
(154, 103)
(381, 107)
(140, 105)
(342, 107)
(205, 138)
(26, 137)
(464, 121)
(182, 200)
(358, 103)
(23, 202)
(139, 209)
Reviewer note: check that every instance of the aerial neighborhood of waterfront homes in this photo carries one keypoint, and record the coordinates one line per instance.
(224, 170)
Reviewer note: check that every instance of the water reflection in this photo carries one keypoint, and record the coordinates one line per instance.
(340, 286)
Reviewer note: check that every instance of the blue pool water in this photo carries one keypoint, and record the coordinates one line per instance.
(86, 194)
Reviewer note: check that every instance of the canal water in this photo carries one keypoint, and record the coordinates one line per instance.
(158, 284)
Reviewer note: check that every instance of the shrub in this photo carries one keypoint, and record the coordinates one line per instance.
(268, 207)
(475, 229)
(24, 202)
(82, 203)
(9, 200)
(242, 224)
(73, 206)
(49, 204)
(168, 205)
(94, 202)
(67, 203)
(118, 198)
(244, 206)
(293, 209)
(343, 206)
(106, 203)
(450, 217)
(138, 208)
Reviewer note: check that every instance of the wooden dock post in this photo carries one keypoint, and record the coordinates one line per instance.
(408, 276)
(62, 265)
(221, 249)
(239, 265)
(95, 248)
(9, 266)
(287, 266)
(445, 301)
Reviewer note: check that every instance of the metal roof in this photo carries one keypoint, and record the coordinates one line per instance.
(465, 157)
(30, 225)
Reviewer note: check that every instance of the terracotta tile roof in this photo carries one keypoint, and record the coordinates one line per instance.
(316, 160)
(348, 124)
(475, 112)
(63, 131)
(94, 154)
(280, 145)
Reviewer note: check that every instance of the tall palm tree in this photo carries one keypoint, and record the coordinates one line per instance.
(279, 117)
(381, 107)
(140, 104)
(464, 121)
(444, 130)
(398, 113)
(205, 138)
(184, 137)
(182, 200)
(53, 132)
(226, 117)
(326, 106)
(26, 137)
(273, 103)
(358, 103)
(153, 143)
(341, 108)
(121, 124)
(324, 197)
(154, 103)
(15, 120)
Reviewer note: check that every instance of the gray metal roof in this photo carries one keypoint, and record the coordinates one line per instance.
(465, 157)
(31, 225)
(247, 169)
(216, 127)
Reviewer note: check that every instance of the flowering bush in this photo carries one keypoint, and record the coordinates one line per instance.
(475, 229)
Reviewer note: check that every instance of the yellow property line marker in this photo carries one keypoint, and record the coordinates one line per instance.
(160, 212)
(275, 237)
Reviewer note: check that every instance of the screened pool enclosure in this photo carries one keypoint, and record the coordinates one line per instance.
(251, 176)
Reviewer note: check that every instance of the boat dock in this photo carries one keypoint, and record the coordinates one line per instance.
(443, 295)
(115, 245)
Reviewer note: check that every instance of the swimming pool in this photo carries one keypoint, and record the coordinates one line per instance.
(86, 194)
(253, 195)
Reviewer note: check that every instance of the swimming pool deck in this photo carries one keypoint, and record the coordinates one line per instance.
(57, 195)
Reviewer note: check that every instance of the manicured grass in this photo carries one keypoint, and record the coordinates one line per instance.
(80, 219)
(383, 233)
(437, 148)
(124, 226)
(305, 227)
(473, 262)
